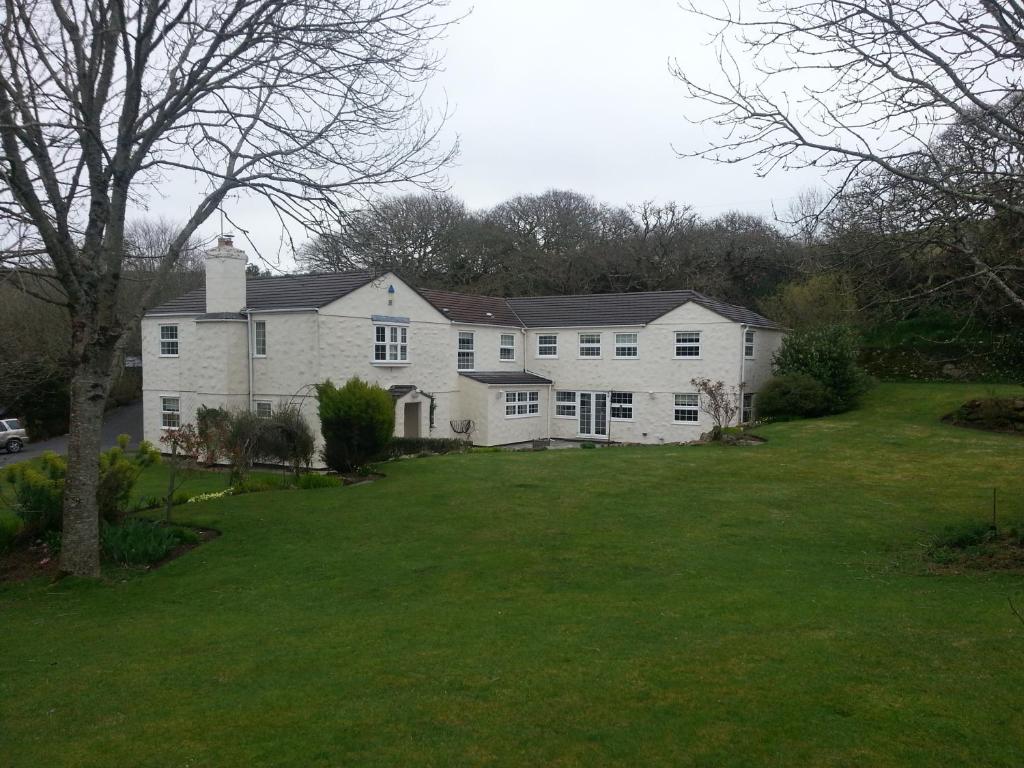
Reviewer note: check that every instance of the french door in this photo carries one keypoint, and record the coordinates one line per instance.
(593, 414)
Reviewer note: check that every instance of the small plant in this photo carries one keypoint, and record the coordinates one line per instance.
(415, 446)
(718, 402)
(10, 527)
(137, 542)
(210, 496)
(588, 446)
(311, 481)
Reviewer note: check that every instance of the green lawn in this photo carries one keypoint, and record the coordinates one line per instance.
(668, 606)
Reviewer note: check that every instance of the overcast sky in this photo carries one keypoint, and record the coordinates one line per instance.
(576, 94)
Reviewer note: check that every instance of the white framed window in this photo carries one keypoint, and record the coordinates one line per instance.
(622, 406)
(524, 403)
(507, 347)
(259, 338)
(626, 345)
(170, 412)
(565, 404)
(749, 411)
(590, 345)
(390, 344)
(687, 408)
(264, 409)
(748, 344)
(547, 345)
(467, 355)
(168, 341)
(687, 343)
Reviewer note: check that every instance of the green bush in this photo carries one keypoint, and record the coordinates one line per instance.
(357, 421)
(828, 355)
(38, 486)
(257, 485)
(310, 481)
(415, 446)
(793, 395)
(118, 472)
(286, 438)
(10, 527)
(137, 542)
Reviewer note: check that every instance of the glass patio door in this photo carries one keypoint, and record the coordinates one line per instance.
(593, 414)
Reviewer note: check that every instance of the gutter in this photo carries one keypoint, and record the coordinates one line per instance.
(743, 373)
(248, 348)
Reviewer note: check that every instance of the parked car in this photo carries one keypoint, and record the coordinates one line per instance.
(12, 435)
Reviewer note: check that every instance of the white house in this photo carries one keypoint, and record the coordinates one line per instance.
(613, 367)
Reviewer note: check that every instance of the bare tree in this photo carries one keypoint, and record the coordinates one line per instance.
(924, 92)
(718, 401)
(302, 103)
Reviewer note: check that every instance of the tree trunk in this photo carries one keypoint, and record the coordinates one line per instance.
(80, 540)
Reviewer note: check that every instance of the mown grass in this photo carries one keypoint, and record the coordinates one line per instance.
(678, 606)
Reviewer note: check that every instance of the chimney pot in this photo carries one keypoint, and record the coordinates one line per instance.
(225, 241)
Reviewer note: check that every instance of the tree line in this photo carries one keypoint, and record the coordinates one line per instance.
(854, 257)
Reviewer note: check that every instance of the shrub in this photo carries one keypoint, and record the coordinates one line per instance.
(10, 527)
(357, 421)
(828, 355)
(793, 395)
(38, 497)
(241, 440)
(38, 486)
(311, 481)
(286, 438)
(118, 472)
(137, 542)
(414, 446)
(211, 430)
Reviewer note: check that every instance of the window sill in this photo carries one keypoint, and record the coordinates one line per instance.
(524, 416)
(169, 356)
(698, 357)
(567, 418)
(631, 357)
(390, 363)
(624, 421)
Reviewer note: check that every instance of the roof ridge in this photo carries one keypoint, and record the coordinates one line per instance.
(611, 293)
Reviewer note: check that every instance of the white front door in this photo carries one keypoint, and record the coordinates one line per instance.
(593, 414)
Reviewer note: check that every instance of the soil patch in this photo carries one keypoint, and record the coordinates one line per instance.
(354, 479)
(994, 414)
(26, 561)
(983, 550)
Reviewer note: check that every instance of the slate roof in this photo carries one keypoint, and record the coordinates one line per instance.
(398, 391)
(279, 292)
(505, 377)
(463, 308)
(622, 309)
(599, 309)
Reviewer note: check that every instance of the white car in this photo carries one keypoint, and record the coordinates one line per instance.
(12, 435)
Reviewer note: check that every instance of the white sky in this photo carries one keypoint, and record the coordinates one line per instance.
(575, 94)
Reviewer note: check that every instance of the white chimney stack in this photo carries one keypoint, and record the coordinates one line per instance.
(225, 277)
